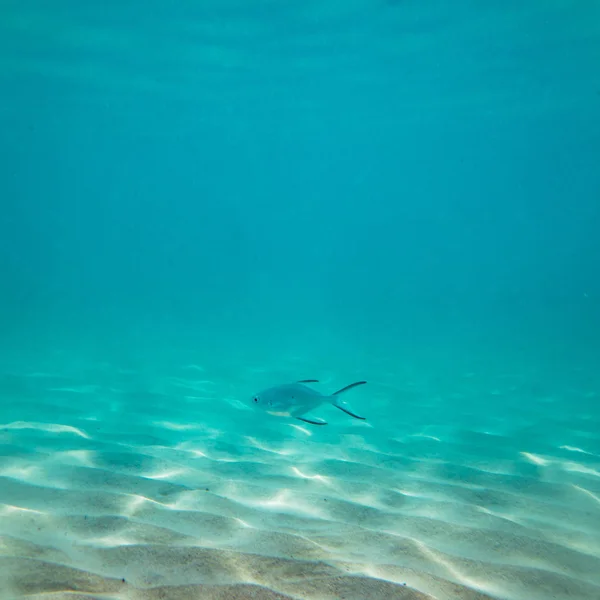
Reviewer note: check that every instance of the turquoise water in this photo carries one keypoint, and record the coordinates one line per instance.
(201, 200)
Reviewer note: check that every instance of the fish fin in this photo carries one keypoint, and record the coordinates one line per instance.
(312, 420)
(344, 405)
(349, 387)
(308, 381)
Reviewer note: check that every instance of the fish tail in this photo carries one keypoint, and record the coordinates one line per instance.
(344, 405)
(348, 387)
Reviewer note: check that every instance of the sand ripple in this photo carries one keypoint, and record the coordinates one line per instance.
(109, 492)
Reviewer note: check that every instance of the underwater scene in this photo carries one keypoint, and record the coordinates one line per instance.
(300, 300)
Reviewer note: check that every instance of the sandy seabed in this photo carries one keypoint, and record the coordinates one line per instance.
(469, 489)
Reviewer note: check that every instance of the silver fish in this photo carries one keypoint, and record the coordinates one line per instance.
(297, 399)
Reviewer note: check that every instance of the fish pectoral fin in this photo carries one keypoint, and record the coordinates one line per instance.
(312, 420)
(308, 381)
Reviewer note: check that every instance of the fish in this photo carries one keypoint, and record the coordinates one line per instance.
(297, 399)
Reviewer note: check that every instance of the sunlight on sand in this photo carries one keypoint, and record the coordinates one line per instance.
(300, 428)
(112, 541)
(136, 502)
(262, 446)
(577, 468)
(537, 460)
(573, 449)
(298, 511)
(167, 474)
(320, 478)
(81, 457)
(430, 437)
(50, 427)
(7, 509)
(453, 571)
(196, 453)
(287, 499)
(23, 473)
(588, 493)
(407, 493)
(176, 426)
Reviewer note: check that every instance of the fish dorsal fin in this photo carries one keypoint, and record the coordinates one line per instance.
(308, 381)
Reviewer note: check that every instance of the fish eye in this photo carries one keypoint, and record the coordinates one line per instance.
(255, 399)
